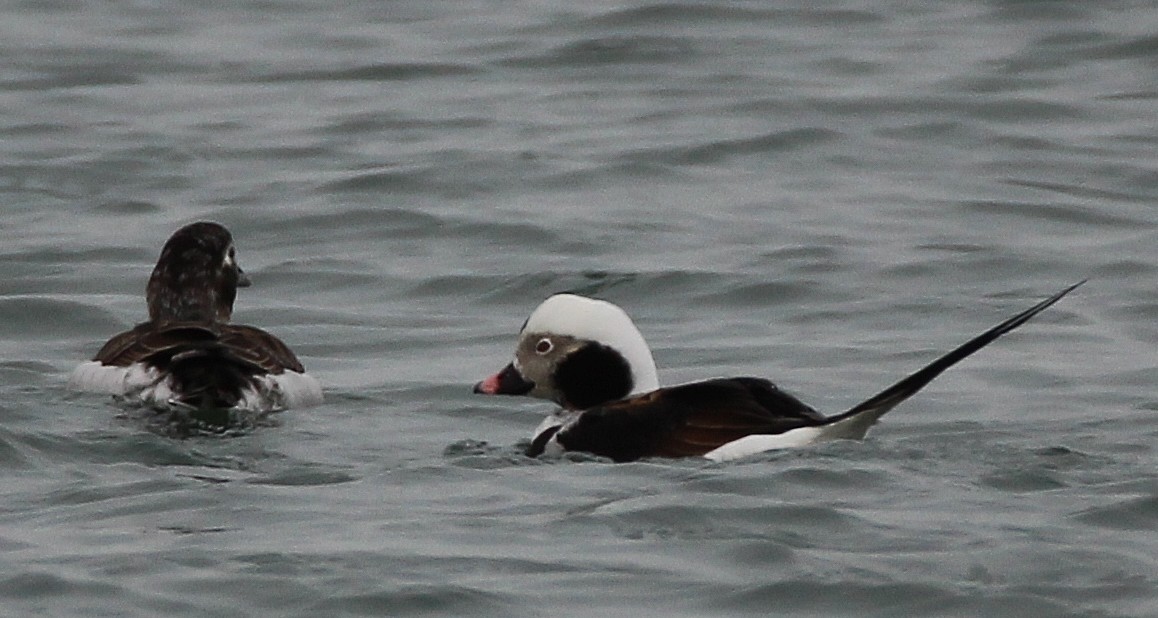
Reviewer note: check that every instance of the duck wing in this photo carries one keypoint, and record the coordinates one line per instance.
(155, 342)
(687, 420)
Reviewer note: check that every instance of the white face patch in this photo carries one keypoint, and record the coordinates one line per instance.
(601, 322)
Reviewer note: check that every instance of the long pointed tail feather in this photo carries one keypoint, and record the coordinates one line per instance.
(854, 423)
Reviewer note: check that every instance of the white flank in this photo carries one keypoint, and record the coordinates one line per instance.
(549, 423)
(93, 377)
(297, 390)
(138, 383)
(552, 448)
(751, 445)
(557, 420)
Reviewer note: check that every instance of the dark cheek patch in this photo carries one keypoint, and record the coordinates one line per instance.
(593, 375)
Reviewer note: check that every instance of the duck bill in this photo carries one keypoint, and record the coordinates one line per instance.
(506, 382)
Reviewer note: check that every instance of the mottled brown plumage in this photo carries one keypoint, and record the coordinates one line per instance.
(188, 355)
(196, 277)
(248, 344)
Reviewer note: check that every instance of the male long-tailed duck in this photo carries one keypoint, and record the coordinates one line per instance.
(587, 356)
(188, 357)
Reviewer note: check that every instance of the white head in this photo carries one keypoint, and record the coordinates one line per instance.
(578, 352)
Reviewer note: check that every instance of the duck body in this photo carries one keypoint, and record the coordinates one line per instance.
(686, 420)
(198, 366)
(587, 356)
(188, 357)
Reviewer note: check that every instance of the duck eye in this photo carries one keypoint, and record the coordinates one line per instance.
(544, 346)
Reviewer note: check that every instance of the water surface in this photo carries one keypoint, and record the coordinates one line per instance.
(827, 196)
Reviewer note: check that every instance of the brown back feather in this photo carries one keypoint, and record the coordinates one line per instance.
(687, 420)
(246, 344)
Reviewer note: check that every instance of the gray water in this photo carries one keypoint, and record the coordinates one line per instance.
(826, 194)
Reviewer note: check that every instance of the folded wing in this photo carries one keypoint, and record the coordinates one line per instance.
(687, 420)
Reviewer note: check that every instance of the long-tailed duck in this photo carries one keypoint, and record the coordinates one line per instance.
(587, 356)
(188, 357)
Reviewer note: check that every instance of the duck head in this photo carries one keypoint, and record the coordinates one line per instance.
(196, 277)
(578, 352)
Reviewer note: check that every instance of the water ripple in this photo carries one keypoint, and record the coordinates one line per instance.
(385, 72)
(618, 50)
(775, 142)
